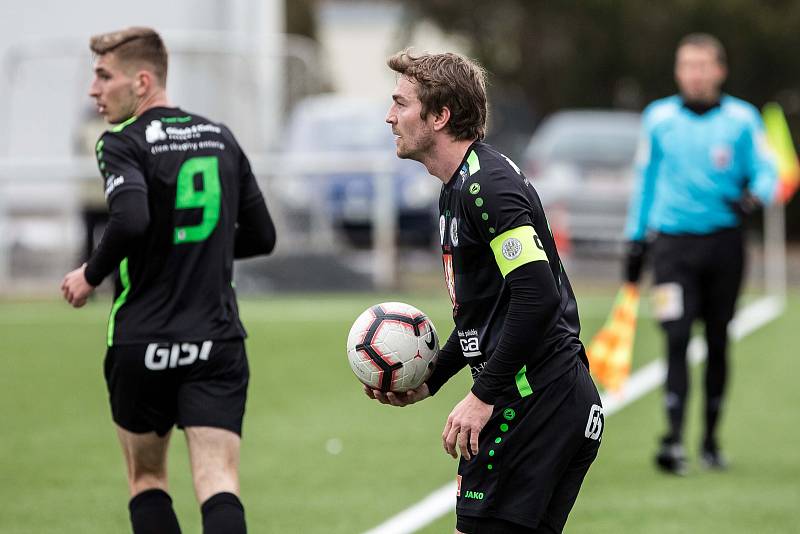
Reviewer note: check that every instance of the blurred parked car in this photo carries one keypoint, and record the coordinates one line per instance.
(353, 130)
(581, 163)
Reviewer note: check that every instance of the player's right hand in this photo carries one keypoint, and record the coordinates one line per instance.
(398, 399)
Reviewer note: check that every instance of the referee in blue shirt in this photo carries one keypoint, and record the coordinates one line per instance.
(702, 165)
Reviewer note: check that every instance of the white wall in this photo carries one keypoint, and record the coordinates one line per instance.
(43, 94)
(357, 38)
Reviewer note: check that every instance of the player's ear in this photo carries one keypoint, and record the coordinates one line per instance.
(441, 119)
(143, 82)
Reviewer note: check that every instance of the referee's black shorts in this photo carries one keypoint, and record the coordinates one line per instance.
(534, 453)
(153, 387)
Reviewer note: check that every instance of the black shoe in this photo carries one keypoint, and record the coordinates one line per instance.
(712, 458)
(671, 458)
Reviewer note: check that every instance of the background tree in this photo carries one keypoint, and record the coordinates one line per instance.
(547, 55)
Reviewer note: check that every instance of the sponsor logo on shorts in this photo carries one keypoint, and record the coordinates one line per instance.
(512, 248)
(594, 426)
(160, 356)
(477, 495)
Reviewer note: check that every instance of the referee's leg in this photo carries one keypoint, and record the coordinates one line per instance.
(720, 292)
(214, 456)
(150, 505)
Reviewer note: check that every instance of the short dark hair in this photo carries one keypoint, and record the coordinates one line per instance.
(136, 44)
(705, 40)
(448, 80)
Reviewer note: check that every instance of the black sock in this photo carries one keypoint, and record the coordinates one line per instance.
(223, 513)
(152, 513)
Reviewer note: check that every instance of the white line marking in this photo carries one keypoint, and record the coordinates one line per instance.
(644, 380)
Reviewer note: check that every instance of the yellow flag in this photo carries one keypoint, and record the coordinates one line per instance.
(611, 350)
(780, 140)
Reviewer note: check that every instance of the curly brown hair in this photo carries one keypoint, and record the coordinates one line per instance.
(448, 80)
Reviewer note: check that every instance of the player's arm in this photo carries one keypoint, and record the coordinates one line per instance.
(760, 162)
(255, 231)
(648, 158)
(129, 217)
(449, 362)
(534, 299)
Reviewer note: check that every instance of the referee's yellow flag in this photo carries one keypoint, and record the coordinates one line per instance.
(780, 141)
(611, 350)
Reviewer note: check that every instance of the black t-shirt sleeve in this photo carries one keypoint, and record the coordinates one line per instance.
(255, 231)
(493, 202)
(534, 299)
(129, 217)
(119, 165)
(450, 361)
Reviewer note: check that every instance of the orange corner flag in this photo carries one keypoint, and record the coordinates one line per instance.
(611, 350)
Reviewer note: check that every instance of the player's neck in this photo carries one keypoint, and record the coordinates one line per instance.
(445, 158)
(156, 99)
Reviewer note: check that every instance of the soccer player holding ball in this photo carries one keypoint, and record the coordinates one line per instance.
(183, 204)
(531, 425)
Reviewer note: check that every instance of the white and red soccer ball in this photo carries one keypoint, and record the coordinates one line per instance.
(392, 346)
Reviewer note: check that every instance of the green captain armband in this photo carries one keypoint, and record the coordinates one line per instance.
(516, 247)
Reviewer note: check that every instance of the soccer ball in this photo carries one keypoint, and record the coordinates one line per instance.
(392, 347)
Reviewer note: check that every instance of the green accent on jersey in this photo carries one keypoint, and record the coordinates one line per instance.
(485, 216)
(498, 440)
(475, 188)
(523, 385)
(121, 126)
(489, 467)
(491, 453)
(509, 414)
(100, 155)
(99, 146)
(187, 197)
(491, 229)
(479, 202)
(474, 163)
(173, 120)
(126, 288)
(517, 247)
(504, 427)
(102, 165)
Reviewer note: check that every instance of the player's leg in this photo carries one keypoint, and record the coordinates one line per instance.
(676, 303)
(211, 404)
(143, 407)
(150, 506)
(720, 292)
(214, 456)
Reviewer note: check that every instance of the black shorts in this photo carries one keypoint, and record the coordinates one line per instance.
(153, 387)
(534, 453)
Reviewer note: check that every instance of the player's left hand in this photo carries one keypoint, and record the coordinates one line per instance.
(464, 425)
(75, 288)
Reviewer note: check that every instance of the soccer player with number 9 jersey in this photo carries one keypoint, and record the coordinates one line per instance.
(183, 204)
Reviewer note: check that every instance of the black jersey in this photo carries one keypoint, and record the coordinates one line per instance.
(175, 284)
(491, 222)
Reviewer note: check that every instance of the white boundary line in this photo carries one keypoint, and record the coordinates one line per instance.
(649, 377)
